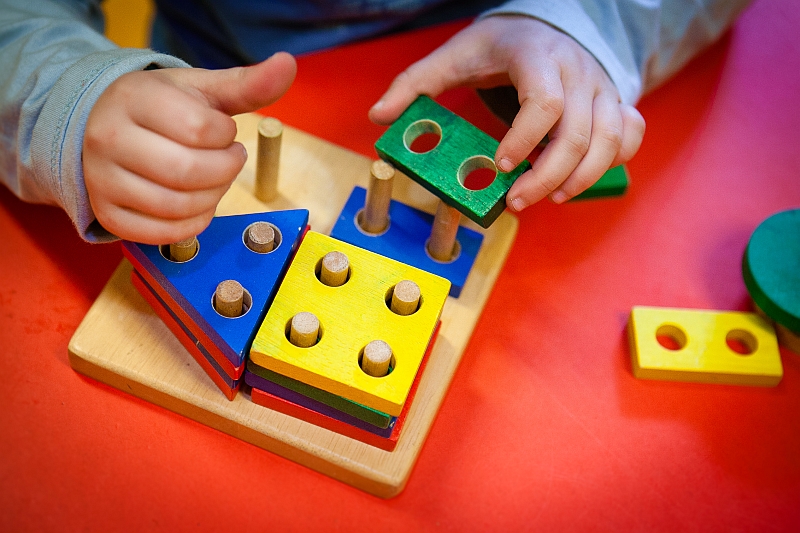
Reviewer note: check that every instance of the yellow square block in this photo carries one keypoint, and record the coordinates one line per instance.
(350, 316)
(701, 346)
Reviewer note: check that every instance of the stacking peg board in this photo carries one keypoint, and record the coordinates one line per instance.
(124, 343)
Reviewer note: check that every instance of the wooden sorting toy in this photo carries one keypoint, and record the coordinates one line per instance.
(123, 342)
(350, 316)
(222, 292)
(771, 272)
(444, 169)
(405, 239)
(726, 347)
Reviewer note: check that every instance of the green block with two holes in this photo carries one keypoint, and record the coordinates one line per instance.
(613, 183)
(462, 148)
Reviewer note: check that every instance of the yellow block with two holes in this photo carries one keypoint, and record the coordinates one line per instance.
(700, 346)
(350, 316)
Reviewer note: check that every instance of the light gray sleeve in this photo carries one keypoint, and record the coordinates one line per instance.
(640, 43)
(55, 64)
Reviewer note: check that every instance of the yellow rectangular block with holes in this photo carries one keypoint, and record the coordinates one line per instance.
(728, 347)
(350, 316)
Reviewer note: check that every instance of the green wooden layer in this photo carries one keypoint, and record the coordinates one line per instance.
(362, 412)
(437, 170)
(771, 268)
(613, 183)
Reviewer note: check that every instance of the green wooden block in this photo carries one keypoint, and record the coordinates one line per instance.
(771, 268)
(462, 148)
(613, 183)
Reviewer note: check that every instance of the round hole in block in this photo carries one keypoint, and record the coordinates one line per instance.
(741, 341)
(226, 307)
(404, 298)
(671, 337)
(376, 359)
(304, 330)
(422, 136)
(181, 251)
(262, 237)
(337, 269)
(477, 173)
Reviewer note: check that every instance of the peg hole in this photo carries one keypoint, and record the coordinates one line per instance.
(477, 173)
(422, 136)
(671, 337)
(742, 342)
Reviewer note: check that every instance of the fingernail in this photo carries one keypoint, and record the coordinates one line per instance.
(377, 106)
(559, 197)
(505, 165)
(244, 152)
(517, 204)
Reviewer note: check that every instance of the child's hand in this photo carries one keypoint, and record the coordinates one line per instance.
(159, 150)
(563, 92)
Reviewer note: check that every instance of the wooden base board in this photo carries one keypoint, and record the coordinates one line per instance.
(123, 343)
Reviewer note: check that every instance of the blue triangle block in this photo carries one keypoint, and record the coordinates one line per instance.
(223, 255)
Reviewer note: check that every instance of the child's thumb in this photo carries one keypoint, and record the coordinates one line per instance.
(244, 89)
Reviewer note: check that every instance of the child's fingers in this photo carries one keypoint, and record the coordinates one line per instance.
(605, 142)
(633, 127)
(135, 193)
(136, 226)
(569, 142)
(175, 166)
(187, 119)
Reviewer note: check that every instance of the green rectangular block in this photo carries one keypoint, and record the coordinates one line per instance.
(462, 148)
(613, 183)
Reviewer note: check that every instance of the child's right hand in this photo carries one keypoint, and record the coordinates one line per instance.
(159, 150)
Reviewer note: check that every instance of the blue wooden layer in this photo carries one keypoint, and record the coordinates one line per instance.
(223, 255)
(404, 241)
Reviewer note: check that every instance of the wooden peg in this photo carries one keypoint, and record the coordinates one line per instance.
(229, 298)
(376, 358)
(405, 298)
(260, 237)
(375, 216)
(304, 330)
(270, 133)
(334, 269)
(442, 243)
(182, 251)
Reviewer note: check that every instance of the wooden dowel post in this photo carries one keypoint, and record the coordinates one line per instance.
(260, 237)
(405, 298)
(375, 216)
(229, 298)
(182, 251)
(443, 233)
(334, 269)
(270, 133)
(376, 359)
(304, 329)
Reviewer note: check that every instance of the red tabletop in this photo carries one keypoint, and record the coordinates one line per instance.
(544, 427)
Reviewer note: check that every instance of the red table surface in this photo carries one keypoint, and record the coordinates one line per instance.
(544, 427)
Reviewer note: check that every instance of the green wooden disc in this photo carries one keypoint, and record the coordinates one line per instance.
(771, 268)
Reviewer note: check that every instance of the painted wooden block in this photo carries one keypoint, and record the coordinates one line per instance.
(705, 346)
(188, 288)
(613, 183)
(771, 272)
(405, 239)
(350, 316)
(225, 383)
(351, 408)
(444, 170)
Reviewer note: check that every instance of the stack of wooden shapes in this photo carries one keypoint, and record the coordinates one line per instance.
(182, 293)
(324, 383)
